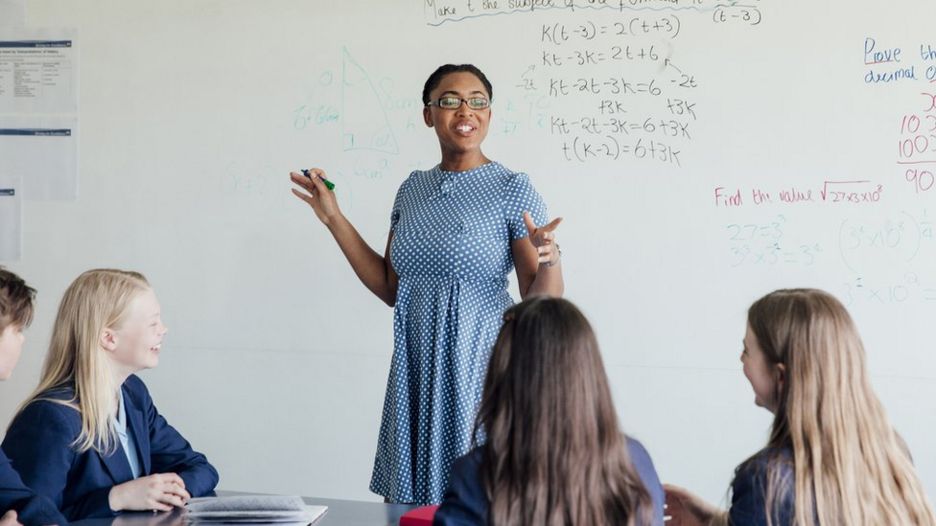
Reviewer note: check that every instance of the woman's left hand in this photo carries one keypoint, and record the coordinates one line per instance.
(544, 239)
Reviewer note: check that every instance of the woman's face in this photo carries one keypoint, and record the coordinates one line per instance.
(764, 376)
(136, 344)
(460, 130)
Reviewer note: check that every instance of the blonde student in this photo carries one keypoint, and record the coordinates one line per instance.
(90, 437)
(549, 450)
(832, 457)
(18, 503)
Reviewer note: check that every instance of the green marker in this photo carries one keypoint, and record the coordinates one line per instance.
(328, 184)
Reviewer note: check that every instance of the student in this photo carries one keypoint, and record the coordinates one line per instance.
(18, 503)
(90, 437)
(832, 456)
(552, 452)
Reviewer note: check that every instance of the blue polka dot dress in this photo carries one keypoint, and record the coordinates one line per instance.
(452, 234)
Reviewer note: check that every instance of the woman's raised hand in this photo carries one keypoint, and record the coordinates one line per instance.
(316, 194)
(544, 239)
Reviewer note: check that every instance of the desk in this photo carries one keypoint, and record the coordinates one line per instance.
(340, 513)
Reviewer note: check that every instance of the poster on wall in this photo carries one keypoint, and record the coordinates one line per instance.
(44, 151)
(11, 237)
(38, 71)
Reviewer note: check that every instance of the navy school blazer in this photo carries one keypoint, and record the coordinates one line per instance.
(31, 509)
(749, 489)
(465, 502)
(39, 442)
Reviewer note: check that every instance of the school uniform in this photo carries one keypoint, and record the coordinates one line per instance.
(31, 509)
(465, 502)
(40, 444)
(749, 489)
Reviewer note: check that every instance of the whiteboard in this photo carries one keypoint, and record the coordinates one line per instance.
(275, 366)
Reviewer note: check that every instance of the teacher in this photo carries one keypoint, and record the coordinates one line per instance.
(456, 232)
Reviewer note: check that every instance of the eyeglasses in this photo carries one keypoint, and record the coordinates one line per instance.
(453, 103)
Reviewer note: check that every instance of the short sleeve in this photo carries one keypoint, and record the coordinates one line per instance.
(397, 211)
(522, 197)
(643, 464)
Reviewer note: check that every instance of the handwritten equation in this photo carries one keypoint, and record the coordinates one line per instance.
(644, 112)
(766, 243)
(884, 259)
(903, 244)
(860, 192)
(438, 12)
(899, 240)
(916, 145)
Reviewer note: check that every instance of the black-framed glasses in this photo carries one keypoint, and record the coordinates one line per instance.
(453, 103)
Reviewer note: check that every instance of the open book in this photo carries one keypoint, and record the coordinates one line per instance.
(248, 509)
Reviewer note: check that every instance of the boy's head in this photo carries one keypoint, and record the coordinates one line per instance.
(16, 313)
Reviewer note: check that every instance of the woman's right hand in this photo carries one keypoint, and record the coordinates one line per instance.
(684, 508)
(316, 194)
(158, 492)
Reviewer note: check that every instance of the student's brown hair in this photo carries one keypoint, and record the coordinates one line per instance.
(16, 300)
(553, 453)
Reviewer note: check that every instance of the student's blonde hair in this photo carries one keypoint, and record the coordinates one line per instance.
(850, 466)
(98, 299)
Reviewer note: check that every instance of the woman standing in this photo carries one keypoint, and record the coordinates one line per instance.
(456, 232)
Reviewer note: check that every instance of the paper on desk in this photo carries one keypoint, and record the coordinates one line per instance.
(250, 509)
(245, 503)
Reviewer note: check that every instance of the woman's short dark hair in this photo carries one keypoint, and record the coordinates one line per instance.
(436, 78)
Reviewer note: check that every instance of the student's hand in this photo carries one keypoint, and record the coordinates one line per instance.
(9, 519)
(544, 239)
(684, 508)
(158, 492)
(316, 194)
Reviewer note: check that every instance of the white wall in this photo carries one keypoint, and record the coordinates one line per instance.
(193, 112)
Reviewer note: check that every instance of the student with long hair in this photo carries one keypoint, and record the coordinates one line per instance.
(18, 503)
(89, 437)
(551, 452)
(832, 457)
